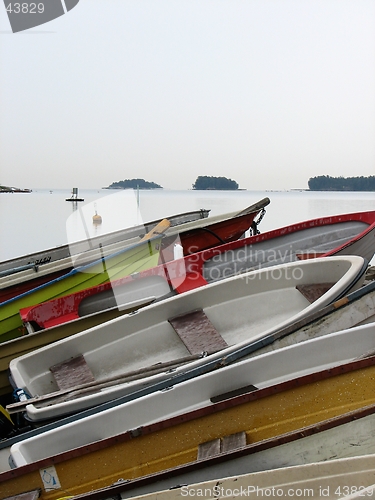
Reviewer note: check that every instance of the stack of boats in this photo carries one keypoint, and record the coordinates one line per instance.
(191, 353)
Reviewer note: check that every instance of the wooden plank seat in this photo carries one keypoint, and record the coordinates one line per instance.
(197, 332)
(221, 445)
(72, 372)
(314, 291)
(28, 495)
(232, 394)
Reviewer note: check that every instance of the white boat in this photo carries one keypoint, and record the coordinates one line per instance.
(259, 370)
(214, 319)
(344, 478)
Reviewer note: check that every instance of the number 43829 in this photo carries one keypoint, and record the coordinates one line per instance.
(25, 8)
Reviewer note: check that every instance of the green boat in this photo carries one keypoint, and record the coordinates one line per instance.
(133, 259)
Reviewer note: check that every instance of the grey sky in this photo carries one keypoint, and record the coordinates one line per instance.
(266, 92)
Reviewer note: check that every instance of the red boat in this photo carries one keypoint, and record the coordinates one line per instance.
(349, 234)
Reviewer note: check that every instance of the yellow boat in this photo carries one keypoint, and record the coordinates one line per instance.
(230, 422)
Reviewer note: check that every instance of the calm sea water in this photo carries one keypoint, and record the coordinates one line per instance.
(44, 219)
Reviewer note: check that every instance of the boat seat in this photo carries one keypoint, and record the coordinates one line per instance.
(221, 445)
(72, 372)
(28, 495)
(197, 332)
(309, 255)
(232, 394)
(314, 291)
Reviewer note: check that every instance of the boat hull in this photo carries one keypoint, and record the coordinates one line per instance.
(343, 477)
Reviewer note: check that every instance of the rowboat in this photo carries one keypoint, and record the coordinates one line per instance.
(349, 234)
(345, 478)
(224, 227)
(213, 319)
(357, 308)
(201, 236)
(227, 425)
(345, 439)
(258, 372)
(143, 255)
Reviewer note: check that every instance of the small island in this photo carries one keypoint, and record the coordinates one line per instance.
(204, 182)
(11, 189)
(327, 183)
(134, 184)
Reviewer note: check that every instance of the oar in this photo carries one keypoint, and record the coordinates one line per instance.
(157, 230)
(100, 384)
(15, 270)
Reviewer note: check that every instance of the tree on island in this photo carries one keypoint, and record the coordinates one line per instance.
(327, 183)
(220, 183)
(134, 184)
